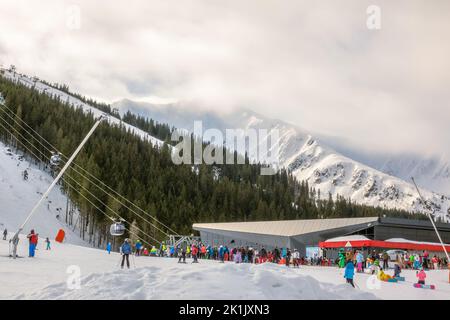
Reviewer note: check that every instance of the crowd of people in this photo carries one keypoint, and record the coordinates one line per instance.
(372, 262)
(378, 264)
(238, 254)
(406, 260)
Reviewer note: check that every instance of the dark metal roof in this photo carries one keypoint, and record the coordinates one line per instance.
(410, 223)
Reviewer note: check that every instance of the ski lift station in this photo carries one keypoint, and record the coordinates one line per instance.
(304, 235)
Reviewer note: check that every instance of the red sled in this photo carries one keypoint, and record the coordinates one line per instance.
(424, 286)
(60, 236)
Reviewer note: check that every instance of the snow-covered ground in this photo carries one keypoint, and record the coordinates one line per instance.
(17, 198)
(46, 277)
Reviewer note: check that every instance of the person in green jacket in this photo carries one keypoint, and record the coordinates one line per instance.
(341, 263)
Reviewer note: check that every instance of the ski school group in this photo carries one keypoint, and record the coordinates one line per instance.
(352, 260)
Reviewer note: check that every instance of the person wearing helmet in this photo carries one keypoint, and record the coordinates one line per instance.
(125, 250)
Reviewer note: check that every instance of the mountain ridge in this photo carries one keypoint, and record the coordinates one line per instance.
(307, 157)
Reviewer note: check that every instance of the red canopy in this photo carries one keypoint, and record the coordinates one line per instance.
(383, 244)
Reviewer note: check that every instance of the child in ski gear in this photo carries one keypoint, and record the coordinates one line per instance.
(182, 256)
(125, 250)
(359, 261)
(296, 258)
(435, 262)
(421, 275)
(47, 241)
(385, 258)
(108, 247)
(288, 257)
(397, 270)
(425, 259)
(416, 262)
(349, 272)
(221, 253)
(33, 239)
(238, 257)
(194, 252)
(138, 247)
(341, 262)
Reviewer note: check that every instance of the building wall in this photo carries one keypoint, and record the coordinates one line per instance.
(384, 232)
(217, 238)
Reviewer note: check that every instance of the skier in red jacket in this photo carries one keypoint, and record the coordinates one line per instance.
(33, 239)
(194, 252)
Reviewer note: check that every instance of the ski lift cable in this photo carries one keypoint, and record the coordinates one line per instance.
(34, 154)
(133, 211)
(95, 178)
(105, 205)
(112, 219)
(29, 150)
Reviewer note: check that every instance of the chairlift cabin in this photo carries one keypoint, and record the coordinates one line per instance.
(117, 229)
(55, 159)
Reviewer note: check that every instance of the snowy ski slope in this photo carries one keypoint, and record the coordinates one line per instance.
(46, 277)
(18, 197)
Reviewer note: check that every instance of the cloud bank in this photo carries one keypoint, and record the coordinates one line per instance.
(314, 64)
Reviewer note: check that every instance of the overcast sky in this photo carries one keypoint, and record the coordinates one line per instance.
(312, 63)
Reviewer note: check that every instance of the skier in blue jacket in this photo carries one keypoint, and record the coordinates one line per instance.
(349, 272)
(108, 247)
(125, 250)
(221, 253)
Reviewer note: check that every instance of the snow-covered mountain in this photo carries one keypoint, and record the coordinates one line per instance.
(307, 157)
(431, 172)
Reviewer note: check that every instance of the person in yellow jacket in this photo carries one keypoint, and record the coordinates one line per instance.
(383, 276)
(188, 251)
